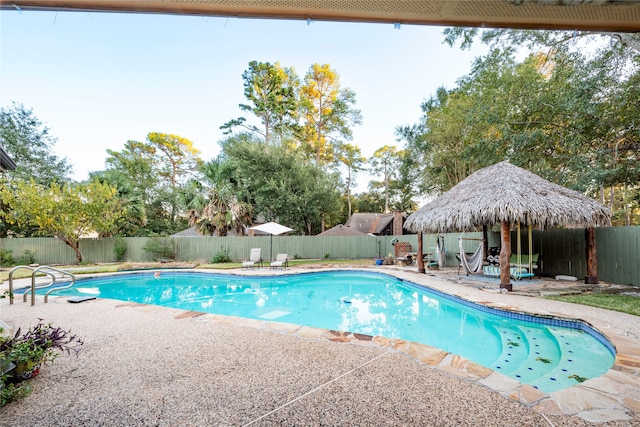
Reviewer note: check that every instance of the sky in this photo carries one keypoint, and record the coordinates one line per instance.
(97, 80)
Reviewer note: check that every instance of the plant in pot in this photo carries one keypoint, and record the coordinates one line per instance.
(40, 345)
(9, 390)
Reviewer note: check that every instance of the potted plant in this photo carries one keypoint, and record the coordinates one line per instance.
(27, 358)
(40, 345)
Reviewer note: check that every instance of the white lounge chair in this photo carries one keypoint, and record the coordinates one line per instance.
(280, 261)
(255, 257)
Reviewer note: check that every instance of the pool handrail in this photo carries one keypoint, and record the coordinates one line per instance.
(44, 269)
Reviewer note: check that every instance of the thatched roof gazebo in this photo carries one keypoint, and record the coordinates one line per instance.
(505, 194)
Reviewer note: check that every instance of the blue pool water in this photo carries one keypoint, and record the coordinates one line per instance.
(549, 354)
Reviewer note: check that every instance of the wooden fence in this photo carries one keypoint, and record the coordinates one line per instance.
(561, 251)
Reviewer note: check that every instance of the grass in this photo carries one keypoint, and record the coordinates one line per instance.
(622, 303)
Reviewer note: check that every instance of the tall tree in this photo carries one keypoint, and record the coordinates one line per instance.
(351, 158)
(29, 143)
(177, 160)
(327, 112)
(384, 164)
(66, 211)
(271, 92)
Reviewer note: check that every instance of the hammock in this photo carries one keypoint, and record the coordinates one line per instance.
(472, 264)
(440, 252)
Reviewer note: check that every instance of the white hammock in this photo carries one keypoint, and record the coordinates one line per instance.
(440, 253)
(472, 264)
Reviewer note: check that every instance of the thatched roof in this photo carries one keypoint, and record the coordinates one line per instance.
(504, 192)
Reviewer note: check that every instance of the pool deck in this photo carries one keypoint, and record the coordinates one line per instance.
(147, 365)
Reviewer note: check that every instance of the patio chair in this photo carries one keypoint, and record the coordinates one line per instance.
(255, 257)
(280, 261)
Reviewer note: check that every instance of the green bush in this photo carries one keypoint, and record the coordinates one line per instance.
(221, 256)
(27, 258)
(119, 249)
(161, 248)
(10, 391)
(6, 259)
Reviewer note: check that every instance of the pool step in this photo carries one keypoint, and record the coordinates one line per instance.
(526, 359)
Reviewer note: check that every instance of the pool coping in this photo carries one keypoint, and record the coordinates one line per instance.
(610, 397)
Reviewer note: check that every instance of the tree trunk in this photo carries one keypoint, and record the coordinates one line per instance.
(505, 254)
(75, 245)
(419, 255)
(611, 199)
(592, 259)
(627, 207)
(349, 191)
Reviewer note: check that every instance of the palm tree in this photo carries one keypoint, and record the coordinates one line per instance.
(215, 209)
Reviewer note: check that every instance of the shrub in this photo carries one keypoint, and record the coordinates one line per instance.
(161, 248)
(6, 259)
(221, 256)
(10, 391)
(27, 258)
(119, 248)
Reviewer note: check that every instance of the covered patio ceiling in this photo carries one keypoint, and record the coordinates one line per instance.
(590, 15)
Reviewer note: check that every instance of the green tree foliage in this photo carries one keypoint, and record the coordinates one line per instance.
(369, 201)
(280, 184)
(578, 119)
(177, 158)
(150, 176)
(552, 114)
(66, 211)
(28, 142)
(132, 172)
(272, 94)
(212, 204)
(176, 161)
(327, 112)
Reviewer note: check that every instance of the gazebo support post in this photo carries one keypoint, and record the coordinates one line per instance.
(485, 244)
(592, 259)
(505, 254)
(419, 256)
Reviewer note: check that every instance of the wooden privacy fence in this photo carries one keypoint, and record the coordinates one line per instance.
(561, 251)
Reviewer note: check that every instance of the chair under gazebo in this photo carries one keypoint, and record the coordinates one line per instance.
(504, 194)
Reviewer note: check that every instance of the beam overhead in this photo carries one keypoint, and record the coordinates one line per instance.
(588, 15)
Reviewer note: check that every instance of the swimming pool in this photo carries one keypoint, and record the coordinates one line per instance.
(550, 354)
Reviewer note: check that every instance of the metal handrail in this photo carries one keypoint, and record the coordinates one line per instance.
(17, 267)
(68, 285)
(45, 269)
